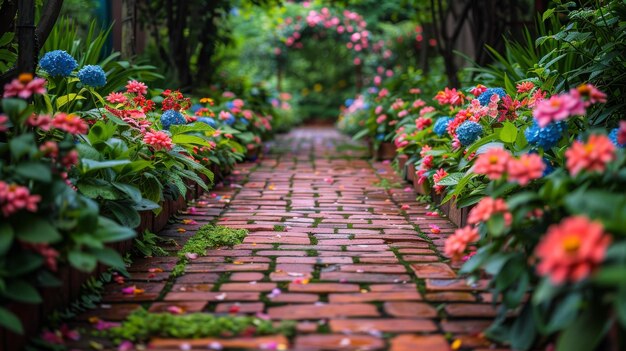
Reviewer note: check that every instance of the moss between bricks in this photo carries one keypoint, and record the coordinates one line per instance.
(141, 326)
(208, 237)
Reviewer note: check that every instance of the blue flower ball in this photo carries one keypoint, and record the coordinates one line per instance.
(208, 120)
(171, 117)
(230, 105)
(485, 97)
(92, 76)
(441, 125)
(244, 121)
(230, 120)
(545, 137)
(58, 63)
(349, 102)
(380, 137)
(469, 132)
(549, 167)
(613, 137)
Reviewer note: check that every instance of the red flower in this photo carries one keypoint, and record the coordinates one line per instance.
(477, 90)
(449, 97)
(136, 87)
(572, 249)
(116, 98)
(592, 156)
(422, 123)
(525, 87)
(14, 198)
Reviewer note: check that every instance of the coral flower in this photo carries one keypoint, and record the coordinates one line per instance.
(525, 87)
(70, 123)
(423, 122)
(592, 93)
(439, 175)
(14, 197)
(158, 140)
(449, 97)
(525, 169)
(493, 163)
(572, 249)
(486, 208)
(558, 108)
(136, 87)
(116, 98)
(477, 90)
(456, 244)
(592, 156)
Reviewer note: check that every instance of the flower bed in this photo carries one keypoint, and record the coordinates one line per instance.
(85, 164)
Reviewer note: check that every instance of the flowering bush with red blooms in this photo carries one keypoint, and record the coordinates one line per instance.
(44, 222)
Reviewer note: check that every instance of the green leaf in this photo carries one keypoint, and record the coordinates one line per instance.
(13, 107)
(35, 171)
(189, 139)
(108, 231)
(585, 332)
(565, 312)
(523, 330)
(620, 305)
(92, 165)
(6, 238)
(23, 263)
(508, 133)
(36, 230)
(451, 179)
(132, 192)
(547, 14)
(110, 257)
(126, 215)
(65, 99)
(20, 290)
(100, 190)
(10, 321)
(82, 261)
(22, 145)
(496, 225)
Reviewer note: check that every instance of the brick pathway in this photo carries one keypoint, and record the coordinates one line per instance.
(358, 266)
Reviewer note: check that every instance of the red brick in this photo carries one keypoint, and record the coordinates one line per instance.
(391, 325)
(259, 286)
(374, 296)
(433, 270)
(419, 343)
(323, 287)
(410, 309)
(338, 342)
(322, 311)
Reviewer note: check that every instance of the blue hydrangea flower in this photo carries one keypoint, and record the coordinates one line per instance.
(171, 117)
(244, 121)
(58, 63)
(208, 120)
(195, 107)
(545, 137)
(380, 136)
(441, 126)
(613, 137)
(349, 102)
(469, 132)
(230, 105)
(549, 167)
(230, 120)
(485, 97)
(92, 76)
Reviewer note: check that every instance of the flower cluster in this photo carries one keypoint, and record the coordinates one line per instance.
(58, 63)
(14, 198)
(159, 140)
(92, 76)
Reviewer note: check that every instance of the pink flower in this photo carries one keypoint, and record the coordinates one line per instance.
(378, 109)
(440, 174)
(525, 87)
(493, 163)
(427, 161)
(415, 91)
(525, 169)
(228, 94)
(159, 140)
(423, 122)
(116, 98)
(457, 243)
(558, 108)
(572, 249)
(592, 93)
(70, 159)
(592, 156)
(136, 87)
(418, 103)
(380, 119)
(25, 86)
(3, 123)
(104, 325)
(486, 208)
(14, 197)
(49, 149)
(49, 254)
(126, 346)
(403, 113)
(477, 90)
(421, 176)
(70, 123)
(42, 122)
(424, 151)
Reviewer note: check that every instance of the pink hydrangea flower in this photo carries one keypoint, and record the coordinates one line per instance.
(525, 169)
(592, 156)
(70, 123)
(25, 86)
(493, 163)
(14, 198)
(159, 140)
(136, 87)
(456, 244)
(486, 208)
(571, 250)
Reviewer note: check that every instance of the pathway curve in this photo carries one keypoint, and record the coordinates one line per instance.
(356, 264)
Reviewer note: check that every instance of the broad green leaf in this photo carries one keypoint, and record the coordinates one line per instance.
(35, 171)
(20, 290)
(523, 330)
(10, 321)
(189, 139)
(6, 238)
(126, 215)
(82, 261)
(508, 133)
(110, 257)
(92, 165)
(109, 231)
(585, 332)
(65, 99)
(37, 230)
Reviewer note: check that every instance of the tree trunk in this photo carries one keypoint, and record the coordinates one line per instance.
(26, 37)
(128, 49)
